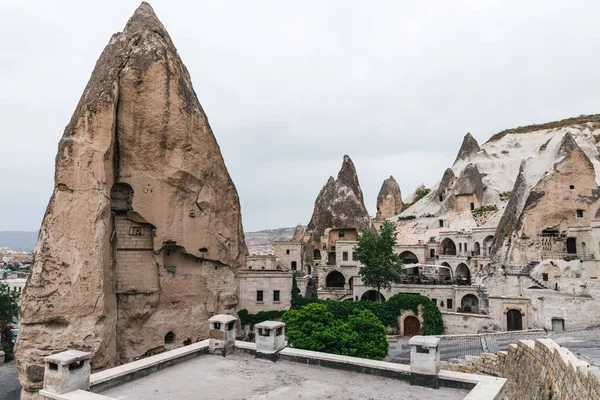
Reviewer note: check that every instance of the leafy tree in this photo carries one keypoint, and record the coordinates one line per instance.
(314, 327)
(8, 315)
(381, 266)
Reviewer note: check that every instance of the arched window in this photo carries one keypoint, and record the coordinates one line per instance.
(316, 254)
(463, 274)
(408, 257)
(448, 247)
(170, 338)
(335, 279)
(470, 304)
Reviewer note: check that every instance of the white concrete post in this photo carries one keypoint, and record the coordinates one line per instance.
(270, 338)
(424, 360)
(221, 334)
(67, 371)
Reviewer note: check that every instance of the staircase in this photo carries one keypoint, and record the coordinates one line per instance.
(527, 270)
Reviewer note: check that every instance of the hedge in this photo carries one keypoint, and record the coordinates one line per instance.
(262, 316)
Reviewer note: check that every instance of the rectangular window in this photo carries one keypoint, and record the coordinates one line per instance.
(545, 277)
(287, 252)
(441, 223)
(259, 295)
(466, 247)
(275, 295)
(354, 256)
(571, 187)
(460, 247)
(449, 303)
(431, 252)
(345, 256)
(579, 213)
(472, 206)
(341, 234)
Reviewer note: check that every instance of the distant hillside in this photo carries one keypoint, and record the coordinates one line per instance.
(261, 242)
(18, 240)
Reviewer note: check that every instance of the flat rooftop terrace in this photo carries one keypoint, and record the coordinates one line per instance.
(242, 376)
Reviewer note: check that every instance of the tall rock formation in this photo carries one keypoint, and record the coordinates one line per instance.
(339, 205)
(566, 195)
(389, 199)
(143, 233)
(468, 148)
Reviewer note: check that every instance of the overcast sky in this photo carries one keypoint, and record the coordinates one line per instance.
(290, 87)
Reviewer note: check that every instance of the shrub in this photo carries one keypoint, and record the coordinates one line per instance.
(407, 218)
(314, 327)
(262, 316)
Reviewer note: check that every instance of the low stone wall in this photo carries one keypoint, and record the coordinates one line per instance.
(457, 323)
(537, 370)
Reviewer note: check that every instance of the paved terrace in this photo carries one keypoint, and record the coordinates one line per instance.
(241, 376)
(584, 343)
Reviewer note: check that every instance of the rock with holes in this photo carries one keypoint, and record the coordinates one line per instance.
(143, 233)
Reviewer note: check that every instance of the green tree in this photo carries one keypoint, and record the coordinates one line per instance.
(381, 266)
(8, 304)
(314, 327)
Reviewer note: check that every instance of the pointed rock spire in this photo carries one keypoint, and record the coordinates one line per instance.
(389, 199)
(469, 182)
(468, 148)
(153, 167)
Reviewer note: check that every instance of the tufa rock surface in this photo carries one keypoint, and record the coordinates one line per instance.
(143, 233)
(339, 205)
(468, 148)
(389, 199)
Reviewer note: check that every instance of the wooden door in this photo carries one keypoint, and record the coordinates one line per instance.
(412, 326)
(514, 320)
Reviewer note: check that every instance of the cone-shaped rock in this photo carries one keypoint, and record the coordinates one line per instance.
(389, 199)
(339, 205)
(469, 147)
(469, 182)
(143, 232)
(298, 233)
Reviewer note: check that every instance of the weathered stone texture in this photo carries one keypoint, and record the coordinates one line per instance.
(537, 370)
(138, 124)
(389, 199)
(468, 148)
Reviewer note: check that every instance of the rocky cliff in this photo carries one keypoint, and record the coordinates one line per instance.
(143, 234)
(468, 148)
(389, 199)
(339, 205)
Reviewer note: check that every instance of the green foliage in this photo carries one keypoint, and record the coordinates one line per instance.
(407, 218)
(262, 316)
(386, 312)
(295, 289)
(419, 194)
(314, 327)
(8, 304)
(485, 209)
(381, 266)
(506, 195)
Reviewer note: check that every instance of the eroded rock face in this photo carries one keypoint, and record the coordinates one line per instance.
(339, 205)
(468, 148)
(143, 233)
(389, 199)
(552, 203)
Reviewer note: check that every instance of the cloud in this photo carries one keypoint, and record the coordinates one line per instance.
(290, 87)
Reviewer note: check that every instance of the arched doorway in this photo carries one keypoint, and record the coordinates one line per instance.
(335, 279)
(487, 245)
(372, 295)
(470, 304)
(514, 320)
(316, 254)
(448, 247)
(477, 249)
(408, 257)
(412, 326)
(463, 274)
(351, 283)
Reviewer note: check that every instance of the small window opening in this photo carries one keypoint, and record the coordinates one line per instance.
(571, 187)
(441, 197)
(53, 367)
(579, 213)
(276, 295)
(217, 326)
(264, 332)
(460, 247)
(259, 295)
(441, 221)
(345, 256)
(472, 206)
(76, 365)
(279, 331)
(545, 277)
(231, 325)
(341, 234)
(294, 265)
(435, 301)
(431, 252)
(423, 349)
(287, 251)
(170, 336)
(354, 256)
(449, 303)
(136, 231)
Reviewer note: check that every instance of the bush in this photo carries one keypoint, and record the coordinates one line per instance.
(262, 316)
(407, 218)
(386, 312)
(314, 327)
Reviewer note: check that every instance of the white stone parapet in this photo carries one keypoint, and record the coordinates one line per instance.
(67, 371)
(270, 337)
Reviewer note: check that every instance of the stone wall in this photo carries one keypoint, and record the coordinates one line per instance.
(267, 281)
(459, 323)
(537, 370)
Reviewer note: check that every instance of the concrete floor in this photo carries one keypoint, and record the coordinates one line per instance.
(241, 376)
